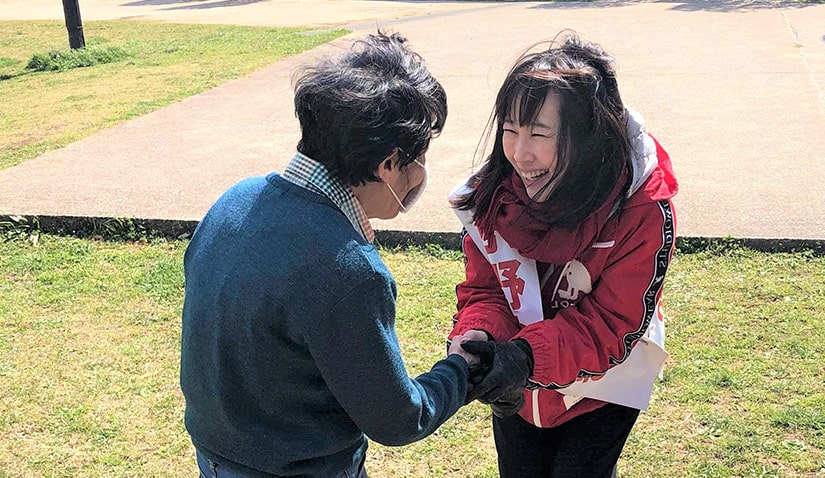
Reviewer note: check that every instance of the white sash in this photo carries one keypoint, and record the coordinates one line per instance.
(629, 383)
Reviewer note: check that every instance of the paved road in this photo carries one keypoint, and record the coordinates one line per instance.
(282, 13)
(734, 91)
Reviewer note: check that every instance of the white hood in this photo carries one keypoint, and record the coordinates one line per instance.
(642, 150)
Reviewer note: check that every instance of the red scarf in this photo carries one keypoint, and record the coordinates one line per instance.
(511, 215)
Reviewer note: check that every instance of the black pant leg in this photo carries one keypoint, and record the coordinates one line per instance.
(523, 449)
(589, 445)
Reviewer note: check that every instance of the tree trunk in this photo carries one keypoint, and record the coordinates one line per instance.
(71, 10)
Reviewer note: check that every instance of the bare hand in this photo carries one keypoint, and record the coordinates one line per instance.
(476, 334)
(455, 348)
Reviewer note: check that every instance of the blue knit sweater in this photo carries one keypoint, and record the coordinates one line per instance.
(289, 353)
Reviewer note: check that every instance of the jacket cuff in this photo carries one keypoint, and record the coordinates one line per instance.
(540, 350)
(525, 347)
(499, 334)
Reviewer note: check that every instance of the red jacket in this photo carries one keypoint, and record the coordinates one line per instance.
(584, 333)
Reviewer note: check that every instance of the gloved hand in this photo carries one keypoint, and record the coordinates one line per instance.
(477, 373)
(509, 404)
(510, 365)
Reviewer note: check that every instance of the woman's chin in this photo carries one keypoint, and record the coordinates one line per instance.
(534, 188)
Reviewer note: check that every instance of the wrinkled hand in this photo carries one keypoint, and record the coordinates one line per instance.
(478, 369)
(475, 334)
(509, 365)
(455, 348)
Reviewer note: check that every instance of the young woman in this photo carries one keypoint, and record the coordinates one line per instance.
(570, 232)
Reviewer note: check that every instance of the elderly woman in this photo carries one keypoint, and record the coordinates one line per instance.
(289, 355)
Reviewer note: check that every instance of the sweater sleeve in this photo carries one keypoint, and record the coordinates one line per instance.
(481, 302)
(600, 331)
(357, 351)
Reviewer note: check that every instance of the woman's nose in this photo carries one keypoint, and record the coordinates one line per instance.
(523, 151)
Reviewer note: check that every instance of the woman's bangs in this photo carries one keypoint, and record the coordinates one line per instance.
(523, 100)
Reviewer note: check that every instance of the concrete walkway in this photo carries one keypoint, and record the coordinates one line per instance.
(281, 13)
(735, 92)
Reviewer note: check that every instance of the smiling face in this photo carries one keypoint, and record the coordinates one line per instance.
(532, 148)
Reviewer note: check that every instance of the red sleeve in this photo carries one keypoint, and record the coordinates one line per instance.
(481, 302)
(599, 332)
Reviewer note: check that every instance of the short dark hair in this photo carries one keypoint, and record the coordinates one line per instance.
(593, 145)
(355, 110)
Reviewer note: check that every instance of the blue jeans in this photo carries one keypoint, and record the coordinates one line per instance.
(211, 469)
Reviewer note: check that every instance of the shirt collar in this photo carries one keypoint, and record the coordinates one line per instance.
(312, 175)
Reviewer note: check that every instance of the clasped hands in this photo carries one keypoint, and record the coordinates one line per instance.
(498, 371)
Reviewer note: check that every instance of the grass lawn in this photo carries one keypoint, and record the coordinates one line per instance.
(89, 347)
(41, 111)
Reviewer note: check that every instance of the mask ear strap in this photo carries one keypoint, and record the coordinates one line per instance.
(396, 197)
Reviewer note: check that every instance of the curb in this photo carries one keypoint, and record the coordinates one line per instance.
(130, 229)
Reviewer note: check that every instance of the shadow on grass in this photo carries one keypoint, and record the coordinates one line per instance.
(11, 76)
(722, 6)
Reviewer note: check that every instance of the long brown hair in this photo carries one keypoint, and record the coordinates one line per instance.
(592, 144)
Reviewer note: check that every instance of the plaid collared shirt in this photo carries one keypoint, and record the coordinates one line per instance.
(312, 175)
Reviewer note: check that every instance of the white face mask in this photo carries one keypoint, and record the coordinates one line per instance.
(414, 194)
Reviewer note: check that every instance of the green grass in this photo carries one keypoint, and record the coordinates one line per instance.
(89, 335)
(41, 111)
(57, 60)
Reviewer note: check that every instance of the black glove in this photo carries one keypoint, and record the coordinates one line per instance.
(477, 373)
(509, 404)
(511, 364)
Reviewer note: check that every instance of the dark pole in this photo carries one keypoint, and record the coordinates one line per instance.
(71, 10)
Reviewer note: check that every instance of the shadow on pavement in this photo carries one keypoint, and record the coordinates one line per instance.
(190, 4)
(687, 6)
(221, 4)
(146, 3)
(447, 1)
